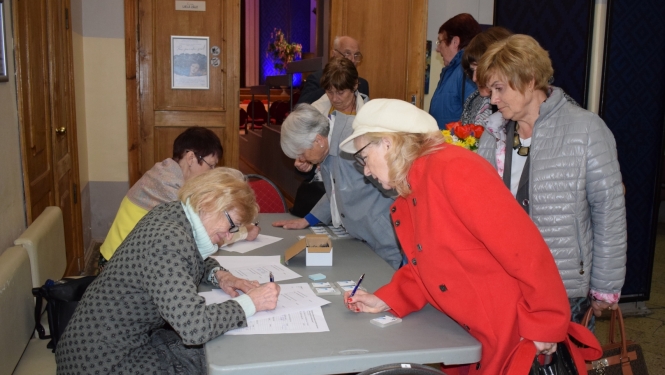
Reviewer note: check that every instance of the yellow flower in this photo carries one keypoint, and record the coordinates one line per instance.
(470, 141)
(461, 144)
(446, 133)
(448, 138)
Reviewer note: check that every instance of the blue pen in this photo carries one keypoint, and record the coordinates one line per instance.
(272, 278)
(355, 288)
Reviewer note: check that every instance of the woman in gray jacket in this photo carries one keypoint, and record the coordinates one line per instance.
(560, 163)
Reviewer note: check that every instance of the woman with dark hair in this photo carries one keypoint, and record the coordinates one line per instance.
(453, 87)
(477, 107)
(196, 150)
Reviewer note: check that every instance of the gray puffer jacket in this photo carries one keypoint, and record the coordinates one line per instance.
(576, 195)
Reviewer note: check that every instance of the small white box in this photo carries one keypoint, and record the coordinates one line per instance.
(318, 250)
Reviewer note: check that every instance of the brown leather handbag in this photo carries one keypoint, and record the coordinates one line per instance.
(619, 358)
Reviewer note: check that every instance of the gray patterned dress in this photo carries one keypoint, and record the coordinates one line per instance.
(151, 282)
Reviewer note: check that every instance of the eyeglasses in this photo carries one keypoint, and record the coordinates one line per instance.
(359, 158)
(234, 228)
(209, 165)
(358, 57)
(517, 144)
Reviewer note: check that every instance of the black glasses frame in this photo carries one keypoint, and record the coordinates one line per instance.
(359, 158)
(234, 228)
(356, 56)
(209, 165)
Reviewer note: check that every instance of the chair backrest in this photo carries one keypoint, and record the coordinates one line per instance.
(278, 111)
(268, 196)
(17, 320)
(243, 118)
(45, 242)
(256, 111)
(402, 369)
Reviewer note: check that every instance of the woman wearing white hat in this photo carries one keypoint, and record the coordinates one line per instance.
(351, 200)
(472, 252)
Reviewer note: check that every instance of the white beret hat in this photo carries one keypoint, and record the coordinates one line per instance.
(388, 116)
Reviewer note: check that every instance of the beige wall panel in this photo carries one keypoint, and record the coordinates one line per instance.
(106, 111)
(12, 212)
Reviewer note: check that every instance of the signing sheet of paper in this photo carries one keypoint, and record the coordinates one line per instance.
(292, 297)
(257, 268)
(246, 246)
(303, 321)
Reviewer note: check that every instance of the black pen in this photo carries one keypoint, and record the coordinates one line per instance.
(272, 278)
(357, 285)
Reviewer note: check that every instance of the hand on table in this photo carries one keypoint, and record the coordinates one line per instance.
(291, 224)
(229, 283)
(599, 306)
(364, 302)
(265, 296)
(252, 232)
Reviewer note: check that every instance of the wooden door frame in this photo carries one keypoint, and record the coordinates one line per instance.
(133, 86)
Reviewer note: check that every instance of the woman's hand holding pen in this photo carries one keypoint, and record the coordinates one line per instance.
(364, 302)
(265, 296)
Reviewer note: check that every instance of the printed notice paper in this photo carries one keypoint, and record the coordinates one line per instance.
(311, 320)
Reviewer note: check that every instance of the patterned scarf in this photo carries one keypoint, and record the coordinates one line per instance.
(496, 125)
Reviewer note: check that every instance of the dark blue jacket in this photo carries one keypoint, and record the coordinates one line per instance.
(447, 102)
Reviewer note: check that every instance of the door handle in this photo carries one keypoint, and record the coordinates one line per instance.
(61, 130)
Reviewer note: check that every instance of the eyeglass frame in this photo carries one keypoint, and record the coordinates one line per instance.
(209, 165)
(357, 57)
(359, 158)
(233, 228)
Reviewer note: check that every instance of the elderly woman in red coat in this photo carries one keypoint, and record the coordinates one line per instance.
(472, 251)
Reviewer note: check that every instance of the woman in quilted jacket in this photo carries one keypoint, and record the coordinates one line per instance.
(560, 163)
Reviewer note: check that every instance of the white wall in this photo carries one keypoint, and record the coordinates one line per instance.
(12, 202)
(439, 11)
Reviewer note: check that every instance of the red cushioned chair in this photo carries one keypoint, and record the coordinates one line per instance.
(257, 113)
(268, 196)
(243, 119)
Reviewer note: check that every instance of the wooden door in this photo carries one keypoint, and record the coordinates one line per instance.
(47, 116)
(162, 111)
(392, 36)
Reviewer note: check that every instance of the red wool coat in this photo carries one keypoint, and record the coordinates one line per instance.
(475, 255)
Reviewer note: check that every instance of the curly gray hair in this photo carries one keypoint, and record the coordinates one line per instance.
(300, 128)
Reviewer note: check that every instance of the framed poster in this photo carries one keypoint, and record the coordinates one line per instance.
(189, 62)
(3, 55)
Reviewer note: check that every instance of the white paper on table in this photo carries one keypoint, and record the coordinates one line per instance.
(311, 320)
(245, 246)
(257, 268)
(292, 297)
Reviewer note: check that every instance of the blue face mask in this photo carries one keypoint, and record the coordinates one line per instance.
(203, 242)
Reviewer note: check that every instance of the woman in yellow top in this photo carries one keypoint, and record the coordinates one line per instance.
(195, 151)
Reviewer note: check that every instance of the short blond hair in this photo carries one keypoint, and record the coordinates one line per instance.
(519, 59)
(221, 189)
(406, 148)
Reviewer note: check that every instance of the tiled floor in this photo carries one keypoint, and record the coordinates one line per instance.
(648, 331)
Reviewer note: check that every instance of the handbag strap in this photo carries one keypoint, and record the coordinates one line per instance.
(616, 316)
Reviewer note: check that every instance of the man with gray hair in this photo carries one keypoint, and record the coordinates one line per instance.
(343, 46)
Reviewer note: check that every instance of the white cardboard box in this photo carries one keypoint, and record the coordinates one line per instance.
(318, 250)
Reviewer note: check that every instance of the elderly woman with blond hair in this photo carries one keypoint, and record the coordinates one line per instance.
(495, 277)
(143, 313)
(560, 163)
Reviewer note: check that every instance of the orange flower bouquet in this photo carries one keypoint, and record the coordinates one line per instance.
(466, 136)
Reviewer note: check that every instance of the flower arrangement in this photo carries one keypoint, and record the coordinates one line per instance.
(282, 51)
(466, 136)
